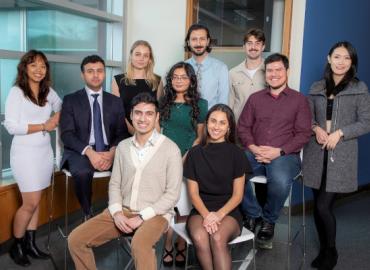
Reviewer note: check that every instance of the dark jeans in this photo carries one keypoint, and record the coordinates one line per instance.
(280, 174)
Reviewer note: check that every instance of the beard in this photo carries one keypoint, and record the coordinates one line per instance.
(197, 53)
(277, 87)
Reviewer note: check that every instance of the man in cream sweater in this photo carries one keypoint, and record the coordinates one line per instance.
(143, 191)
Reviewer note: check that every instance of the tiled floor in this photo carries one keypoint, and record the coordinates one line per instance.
(353, 244)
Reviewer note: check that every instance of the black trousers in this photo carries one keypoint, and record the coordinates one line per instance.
(82, 172)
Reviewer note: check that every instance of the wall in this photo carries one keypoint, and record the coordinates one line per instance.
(162, 24)
(327, 22)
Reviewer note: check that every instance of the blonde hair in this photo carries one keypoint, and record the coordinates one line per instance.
(151, 79)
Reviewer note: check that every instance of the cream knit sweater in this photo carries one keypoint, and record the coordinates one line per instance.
(150, 187)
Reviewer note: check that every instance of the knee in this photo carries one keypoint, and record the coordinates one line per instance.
(30, 207)
(139, 245)
(83, 174)
(322, 208)
(74, 241)
(217, 241)
(200, 239)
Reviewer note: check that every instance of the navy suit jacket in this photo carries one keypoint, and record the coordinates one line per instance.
(75, 122)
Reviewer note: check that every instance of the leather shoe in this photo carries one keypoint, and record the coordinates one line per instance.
(251, 223)
(266, 232)
(319, 259)
(330, 259)
(18, 254)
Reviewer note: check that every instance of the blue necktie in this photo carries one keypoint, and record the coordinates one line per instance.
(98, 132)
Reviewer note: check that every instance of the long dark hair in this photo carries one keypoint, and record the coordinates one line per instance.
(191, 96)
(331, 88)
(231, 134)
(22, 77)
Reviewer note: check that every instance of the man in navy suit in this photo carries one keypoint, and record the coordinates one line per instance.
(92, 123)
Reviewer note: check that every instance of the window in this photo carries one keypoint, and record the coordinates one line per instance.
(66, 31)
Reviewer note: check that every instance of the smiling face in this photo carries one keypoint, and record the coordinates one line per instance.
(144, 117)
(276, 75)
(36, 70)
(180, 80)
(340, 62)
(140, 57)
(198, 42)
(217, 126)
(254, 48)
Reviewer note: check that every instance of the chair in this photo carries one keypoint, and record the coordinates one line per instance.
(97, 175)
(263, 180)
(246, 235)
(180, 229)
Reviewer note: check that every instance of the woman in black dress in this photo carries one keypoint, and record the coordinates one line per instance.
(216, 170)
(138, 78)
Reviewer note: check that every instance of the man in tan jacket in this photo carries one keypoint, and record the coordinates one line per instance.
(245, 79)
(249, 76)
(143, 191)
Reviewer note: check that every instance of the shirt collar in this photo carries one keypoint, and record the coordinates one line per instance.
(285, 91)
(204, 63)
(91, 92)
(242, 68)
(150, 142)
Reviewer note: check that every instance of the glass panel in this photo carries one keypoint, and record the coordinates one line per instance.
(62, 33)
(11, 29)
(228, 20)
(8, 72)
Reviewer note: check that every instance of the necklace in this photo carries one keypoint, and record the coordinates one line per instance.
(179, 105)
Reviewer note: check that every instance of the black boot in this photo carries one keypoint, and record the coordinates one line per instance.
(31, 248)
(319, 259)
(330, 259)
(18, 254)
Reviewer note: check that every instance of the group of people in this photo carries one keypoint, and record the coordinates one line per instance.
(184, 148)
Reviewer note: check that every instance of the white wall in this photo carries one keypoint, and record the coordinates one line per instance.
(162, 23)
(296, 43)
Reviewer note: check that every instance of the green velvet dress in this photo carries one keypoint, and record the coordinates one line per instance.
(179, 127)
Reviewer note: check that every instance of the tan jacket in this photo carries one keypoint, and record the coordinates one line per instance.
(242, 86)
(150, 187)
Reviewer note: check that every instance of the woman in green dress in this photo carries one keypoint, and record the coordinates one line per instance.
(182, 116)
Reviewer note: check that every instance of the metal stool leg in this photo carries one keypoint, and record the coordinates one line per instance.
(303, 219)
(51, 205)
(289, 227)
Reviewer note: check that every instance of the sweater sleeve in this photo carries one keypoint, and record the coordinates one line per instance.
(13, 106)
(171, 194)
(114, 191)
(362, 125)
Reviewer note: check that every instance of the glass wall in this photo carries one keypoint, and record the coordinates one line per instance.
(65, 37)
(229, 20)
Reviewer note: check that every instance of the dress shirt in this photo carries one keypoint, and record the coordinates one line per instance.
(141, 151)
(283, 121)
(89, 93)
(214, 83)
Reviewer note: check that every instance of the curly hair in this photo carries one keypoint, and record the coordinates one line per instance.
(22, 77)
(191, 96)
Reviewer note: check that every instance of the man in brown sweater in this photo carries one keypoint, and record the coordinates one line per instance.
(143, 190)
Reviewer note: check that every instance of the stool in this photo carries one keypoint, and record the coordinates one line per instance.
(263, 180)
(97, 175)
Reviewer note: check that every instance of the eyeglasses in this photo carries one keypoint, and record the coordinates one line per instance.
(180, 78)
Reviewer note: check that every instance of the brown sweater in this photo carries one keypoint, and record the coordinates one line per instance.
(150, 187)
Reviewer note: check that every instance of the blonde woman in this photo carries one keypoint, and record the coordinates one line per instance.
(138, 78)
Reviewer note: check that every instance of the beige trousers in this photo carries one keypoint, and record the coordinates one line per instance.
(101, 229)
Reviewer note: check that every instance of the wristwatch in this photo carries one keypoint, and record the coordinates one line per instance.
(282, 153)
